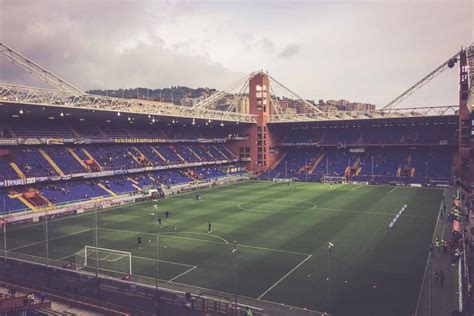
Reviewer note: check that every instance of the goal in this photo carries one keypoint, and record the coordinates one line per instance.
(107, 261)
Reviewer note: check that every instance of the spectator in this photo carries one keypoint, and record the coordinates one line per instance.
(441, 278)
(12, 291)
(41, 296)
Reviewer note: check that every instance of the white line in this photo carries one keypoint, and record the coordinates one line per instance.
(62, 258)
(181, 274)
(195, 233)
(275, 250)
(355, 188)
(211, 241)
(169, 234)
(392, 190)
(172, 262)
(291, 271)
(42, 241)
(138, 257)
(397, 216)
(363, 212)
(315, 207)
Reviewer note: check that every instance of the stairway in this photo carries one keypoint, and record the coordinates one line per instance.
(347, 172)
(103, 134)
(303, 168)
(357, 167)
(229, 153)
(90, 157)
(134, 157)
(112, 193)
(361, 137)
(75, 133)
(323, 136)
(215, 147)
(24, 201)
(307, 167)
(79, 160)
(132, 180)
(17, 170)
(208, 152)
(276, 163)
(51, 162)
(146, 162)
(11, 131)
(315, 164)
(194, 153)
(177, 154)
(50, 205)
(158, 153)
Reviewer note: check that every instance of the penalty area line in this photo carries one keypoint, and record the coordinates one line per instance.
(181, 274)
(277, 282)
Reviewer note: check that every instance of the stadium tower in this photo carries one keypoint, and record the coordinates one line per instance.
(261, 138)
(466, 115)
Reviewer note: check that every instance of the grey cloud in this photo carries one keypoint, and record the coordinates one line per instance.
(267, 45)
(98, 45)
(289, 51)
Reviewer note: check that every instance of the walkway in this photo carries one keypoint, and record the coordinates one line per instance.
(436, 300)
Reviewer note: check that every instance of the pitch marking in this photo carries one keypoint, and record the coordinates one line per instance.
(214, 242)
(54, 238)
(392, 190)
(291, 271)
(239, 205)
(181, 274)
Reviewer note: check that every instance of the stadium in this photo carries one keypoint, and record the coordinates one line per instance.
(137, 206)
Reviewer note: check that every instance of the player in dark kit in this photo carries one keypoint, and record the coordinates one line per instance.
(209, 228)
(139, 242)
(159, 221)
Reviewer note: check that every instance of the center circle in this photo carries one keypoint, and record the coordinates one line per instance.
(280, 207)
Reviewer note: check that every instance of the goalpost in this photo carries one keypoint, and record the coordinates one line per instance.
(107, 261)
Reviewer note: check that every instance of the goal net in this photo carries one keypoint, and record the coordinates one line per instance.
(108, 261)
(333, 179)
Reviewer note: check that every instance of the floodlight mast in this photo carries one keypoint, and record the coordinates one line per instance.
(36, 70)
(447, 64)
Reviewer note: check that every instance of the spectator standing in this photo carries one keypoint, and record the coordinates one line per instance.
(441, 278)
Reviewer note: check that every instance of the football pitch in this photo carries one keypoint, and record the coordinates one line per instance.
(282, 234)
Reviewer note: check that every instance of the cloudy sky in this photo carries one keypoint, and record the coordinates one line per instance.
(362, 50)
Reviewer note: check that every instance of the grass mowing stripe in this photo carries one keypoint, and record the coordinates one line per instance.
(210, 241)
(314, 208)
(54, 238)
(429, 257)
(368, 212)
(277, 282)
(353, 216)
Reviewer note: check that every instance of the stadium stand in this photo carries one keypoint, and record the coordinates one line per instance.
(382, 151)
(72, 162)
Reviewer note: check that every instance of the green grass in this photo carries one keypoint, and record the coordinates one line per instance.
(376, 270)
